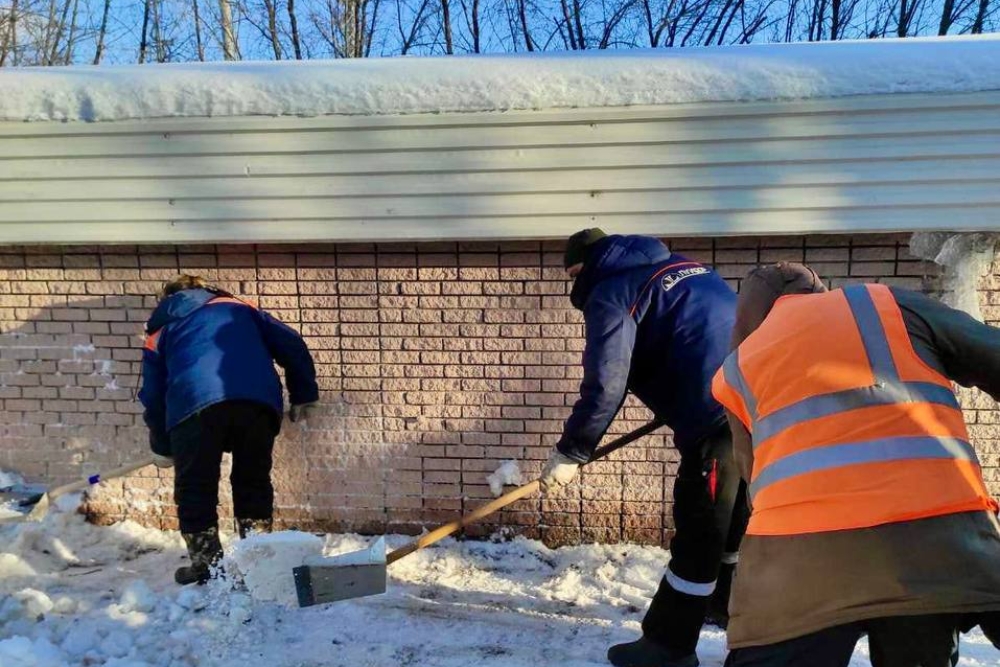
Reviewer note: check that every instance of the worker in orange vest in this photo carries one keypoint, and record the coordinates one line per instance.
(869, 511)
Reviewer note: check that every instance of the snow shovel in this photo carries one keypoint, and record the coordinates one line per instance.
(39, 503)
(362, 573)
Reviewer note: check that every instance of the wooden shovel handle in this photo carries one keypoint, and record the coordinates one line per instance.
(98, 478)
(517, 494)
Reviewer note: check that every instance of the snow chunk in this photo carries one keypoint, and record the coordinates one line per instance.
(191, 599)
(12, 565)
(137, 596)
(264, 563)
(117, 644)
(64, 605)
(372, 86)
(36, 603)
(507, 473)
(80, 639)
(23, 652)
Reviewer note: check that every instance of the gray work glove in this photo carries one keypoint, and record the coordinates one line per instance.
(302, 412)
(161, 461)
(558, 472)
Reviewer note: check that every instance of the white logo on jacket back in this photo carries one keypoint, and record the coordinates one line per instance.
(670, 280)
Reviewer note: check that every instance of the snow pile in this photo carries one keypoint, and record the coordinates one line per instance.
(507, 473)
(493, 604)
(496, 83)
(264, 563)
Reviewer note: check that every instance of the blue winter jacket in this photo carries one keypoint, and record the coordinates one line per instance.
(205, 347)
(658, 325)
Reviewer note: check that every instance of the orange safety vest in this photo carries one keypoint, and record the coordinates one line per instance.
(851, 429)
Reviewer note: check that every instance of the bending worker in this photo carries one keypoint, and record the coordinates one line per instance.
(659, 325)
(209, 386)
(870, 514)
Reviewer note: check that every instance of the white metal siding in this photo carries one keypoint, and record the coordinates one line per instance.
(886, 163)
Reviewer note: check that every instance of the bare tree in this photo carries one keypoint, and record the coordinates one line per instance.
(470, 10)
(951, 12)
(612, 22)
(980, 20)
(54, 32)
(8, 43)
(568, 23)
(449, 47)
(199, 43)
(522, 13)
(294, 25)
(159, 40)
(229, 47)
(272, 27)
(349, 26)
(907, 13)
(102, 33)
(264, 18)
(143, 43)
(409, 36)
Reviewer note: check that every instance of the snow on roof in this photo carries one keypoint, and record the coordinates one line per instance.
(505, 82)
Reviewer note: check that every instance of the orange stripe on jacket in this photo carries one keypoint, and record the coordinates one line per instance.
(229, 299)
(152, 340)
(653, 277)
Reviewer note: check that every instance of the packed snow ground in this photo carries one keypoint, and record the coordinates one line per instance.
(78, 595)
(373, 86)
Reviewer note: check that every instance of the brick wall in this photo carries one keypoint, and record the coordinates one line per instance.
(437, 361)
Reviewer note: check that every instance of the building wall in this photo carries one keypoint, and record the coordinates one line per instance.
(854, 164)
(437, 361)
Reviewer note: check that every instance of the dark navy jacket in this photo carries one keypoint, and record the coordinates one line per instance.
(656, 324)
(205, 347)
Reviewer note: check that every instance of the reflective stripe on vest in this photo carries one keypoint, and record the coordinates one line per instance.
(868, 451)
(805, 450)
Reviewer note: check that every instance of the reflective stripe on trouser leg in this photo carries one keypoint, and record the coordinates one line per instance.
(731, 558)
(682, 585)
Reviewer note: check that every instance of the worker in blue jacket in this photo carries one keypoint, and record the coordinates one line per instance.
(659, 325)
(209, 386)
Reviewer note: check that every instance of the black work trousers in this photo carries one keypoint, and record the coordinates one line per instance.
(710, 517)
(247, 430)
(896, 641)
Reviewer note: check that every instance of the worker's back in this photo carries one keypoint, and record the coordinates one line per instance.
(683, 314)
(212, 349)
(850, 408)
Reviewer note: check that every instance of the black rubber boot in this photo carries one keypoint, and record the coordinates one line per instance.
(672, 624)
(644, 652)
(247, 527)
(205, 551)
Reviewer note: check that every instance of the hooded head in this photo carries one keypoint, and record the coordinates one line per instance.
(179, 297)
(579, 245)
(763, 287)
(182, 282)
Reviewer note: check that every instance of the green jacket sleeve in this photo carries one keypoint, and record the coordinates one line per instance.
(964, 349)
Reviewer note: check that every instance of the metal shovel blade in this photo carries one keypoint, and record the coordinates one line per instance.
(343, 577)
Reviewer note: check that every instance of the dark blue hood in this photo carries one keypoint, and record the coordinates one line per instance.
(178, 306)
(612, 255)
